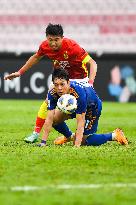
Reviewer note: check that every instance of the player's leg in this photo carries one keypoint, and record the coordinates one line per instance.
(39, 123)
(92, 118)
(91, 125)
(59, 119)
(90, 136)
(99, 139)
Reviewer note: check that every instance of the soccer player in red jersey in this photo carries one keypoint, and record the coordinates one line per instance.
(65, 53)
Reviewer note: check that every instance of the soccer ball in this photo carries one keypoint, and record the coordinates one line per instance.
(67, 103)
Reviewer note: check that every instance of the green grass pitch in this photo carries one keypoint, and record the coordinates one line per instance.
(48, 168)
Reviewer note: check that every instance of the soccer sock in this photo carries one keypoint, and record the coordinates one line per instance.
(98, 139)
(39, 124)
(63, 129)
(40, 117)
(113, 136)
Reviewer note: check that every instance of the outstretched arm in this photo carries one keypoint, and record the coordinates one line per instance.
(31, 61)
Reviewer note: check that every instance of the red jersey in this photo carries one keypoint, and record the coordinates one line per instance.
(70, 57)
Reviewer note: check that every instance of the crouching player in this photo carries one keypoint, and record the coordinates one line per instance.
(87, 114)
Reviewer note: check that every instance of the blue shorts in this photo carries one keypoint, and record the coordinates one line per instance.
(91, 118)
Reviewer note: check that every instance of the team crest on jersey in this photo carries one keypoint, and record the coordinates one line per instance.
(65, 55)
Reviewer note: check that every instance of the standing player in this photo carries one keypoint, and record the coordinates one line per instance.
(64, 53)
(87, 114)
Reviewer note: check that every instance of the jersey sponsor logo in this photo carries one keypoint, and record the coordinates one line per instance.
(64, 64)
(61, 64)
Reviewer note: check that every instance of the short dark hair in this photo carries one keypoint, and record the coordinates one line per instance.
(54, 30)
(61, 74)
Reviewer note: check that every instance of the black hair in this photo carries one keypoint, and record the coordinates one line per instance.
(54, 30)
(61, 74)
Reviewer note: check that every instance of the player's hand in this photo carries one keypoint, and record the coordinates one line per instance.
(77, 146)
(11, 76)
(77, 143)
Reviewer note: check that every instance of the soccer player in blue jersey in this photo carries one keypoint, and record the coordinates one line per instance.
(87, 114)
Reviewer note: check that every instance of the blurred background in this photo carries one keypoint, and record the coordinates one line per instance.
(105, 28)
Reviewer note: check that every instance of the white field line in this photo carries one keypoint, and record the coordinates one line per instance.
(68, 187)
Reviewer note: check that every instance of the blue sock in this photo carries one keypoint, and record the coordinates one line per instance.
(63, 129)
(98, 139)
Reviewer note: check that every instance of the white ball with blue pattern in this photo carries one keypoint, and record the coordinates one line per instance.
(67, 103)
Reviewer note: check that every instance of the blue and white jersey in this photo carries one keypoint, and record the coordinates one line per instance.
(86, 97)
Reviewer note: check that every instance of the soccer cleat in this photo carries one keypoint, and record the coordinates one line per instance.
(32, 138)
(120, 137)
(62, 140)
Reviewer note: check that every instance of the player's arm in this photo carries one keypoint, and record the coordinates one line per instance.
(92, 67)
(34, 59)
(48, 125)
(49, 118)
(80, 128)
(87, 61)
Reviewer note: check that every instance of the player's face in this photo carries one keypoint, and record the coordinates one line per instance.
(61, 86)
(54, 42)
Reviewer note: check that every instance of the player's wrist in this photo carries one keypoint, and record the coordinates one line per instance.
(42, 144)
(21, 71)
(43, 141)
(91, 82)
